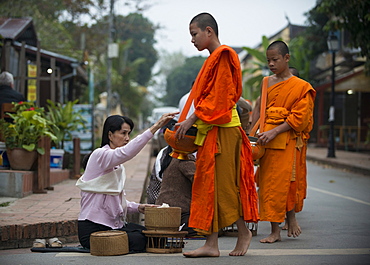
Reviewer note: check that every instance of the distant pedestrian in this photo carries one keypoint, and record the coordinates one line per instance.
(7, 92)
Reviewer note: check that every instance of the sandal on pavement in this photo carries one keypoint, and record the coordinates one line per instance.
(39, 243)
(54, 243)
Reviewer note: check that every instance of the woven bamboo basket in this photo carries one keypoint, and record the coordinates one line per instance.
(109, 243)
(163, 219)
(163, 242)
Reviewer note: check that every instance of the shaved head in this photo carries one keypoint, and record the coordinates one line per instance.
(204, 20)
(280, 46)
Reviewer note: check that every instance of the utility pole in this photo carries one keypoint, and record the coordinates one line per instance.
(333, 45)
(109, 58)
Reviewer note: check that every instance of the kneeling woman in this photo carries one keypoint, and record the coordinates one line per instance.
(103, 203)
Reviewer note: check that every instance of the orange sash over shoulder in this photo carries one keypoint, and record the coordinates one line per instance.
(217, 89)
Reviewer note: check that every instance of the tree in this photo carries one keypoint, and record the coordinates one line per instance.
(48, 17)
(125, 73)
(170, 61)
(180, 80)
(350, 15)
(299, 57)
(60, 28)
(253, 84)
(166, 64)
(141, 31)
(48, 9)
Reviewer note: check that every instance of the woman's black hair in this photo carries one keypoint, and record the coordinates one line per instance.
(84, 160)
(112, 123)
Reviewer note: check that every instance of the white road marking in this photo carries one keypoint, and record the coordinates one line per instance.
(258, 252)
(297, 252)
(339, 195)
(71, 254)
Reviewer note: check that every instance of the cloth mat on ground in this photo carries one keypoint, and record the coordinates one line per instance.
(62, 249)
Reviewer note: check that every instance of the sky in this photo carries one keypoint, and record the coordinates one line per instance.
(241, 22)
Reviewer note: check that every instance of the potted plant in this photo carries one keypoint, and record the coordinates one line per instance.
(66, 120)
(22, 135)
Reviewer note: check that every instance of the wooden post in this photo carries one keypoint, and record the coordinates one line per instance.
(22, 70)
(42, 179)
(38, 65)
(320, 116)
(7, 48)
(58, 97)
(76, 158)
(52, 80)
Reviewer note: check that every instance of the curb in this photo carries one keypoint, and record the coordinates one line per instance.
(22, 236)
(338, 165)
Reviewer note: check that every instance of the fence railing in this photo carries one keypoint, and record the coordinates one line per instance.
(347, 136)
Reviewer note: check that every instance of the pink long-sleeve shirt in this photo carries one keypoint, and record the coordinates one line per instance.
(102, 208)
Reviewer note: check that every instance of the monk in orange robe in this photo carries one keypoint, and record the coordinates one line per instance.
(223, 190)
(281, 176)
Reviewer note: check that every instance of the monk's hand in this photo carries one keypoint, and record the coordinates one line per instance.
(265, 137)
(163, 121)
(182, 128)
(142, 207)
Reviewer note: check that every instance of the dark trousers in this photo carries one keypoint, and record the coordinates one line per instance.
(136, 239)
(185, 220)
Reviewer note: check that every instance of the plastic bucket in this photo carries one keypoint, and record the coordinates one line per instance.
(56, 158)
(4, 161)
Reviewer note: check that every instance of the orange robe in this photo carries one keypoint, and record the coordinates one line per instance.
(282, 173)
(217, 89)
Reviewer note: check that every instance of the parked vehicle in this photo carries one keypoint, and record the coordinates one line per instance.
(158, 112)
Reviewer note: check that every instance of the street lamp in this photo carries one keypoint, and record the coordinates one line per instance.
(333, 46)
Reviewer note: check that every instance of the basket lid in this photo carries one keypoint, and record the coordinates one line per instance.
(108, 233)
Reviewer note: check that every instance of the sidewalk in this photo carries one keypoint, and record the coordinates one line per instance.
(54, 214)
(351, 161)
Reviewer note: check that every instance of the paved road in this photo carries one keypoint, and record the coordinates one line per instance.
(335, 223)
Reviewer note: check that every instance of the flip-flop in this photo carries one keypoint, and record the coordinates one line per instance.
(54, 243)
(39, 243)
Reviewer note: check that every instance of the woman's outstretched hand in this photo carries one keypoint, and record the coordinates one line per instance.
(163, 121)
(142, 207)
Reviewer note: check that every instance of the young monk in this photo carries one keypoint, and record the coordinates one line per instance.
(288, 121)
(223, 188)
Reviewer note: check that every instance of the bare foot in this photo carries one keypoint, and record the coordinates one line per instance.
(272, 238)
(210, 248)
(204, 251)
(242, 245)
(293, 227)
(275, 234)
(285, 227)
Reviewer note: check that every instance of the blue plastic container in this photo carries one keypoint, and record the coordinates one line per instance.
(4, 161)
(56, 158)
